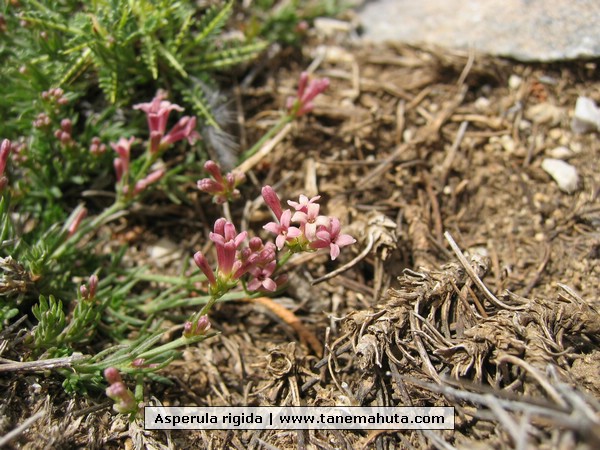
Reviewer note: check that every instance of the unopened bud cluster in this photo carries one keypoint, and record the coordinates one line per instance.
(55, 95)
(88, 292)
(97, 147)
(63, 134)
(196, 327)
(222, 188)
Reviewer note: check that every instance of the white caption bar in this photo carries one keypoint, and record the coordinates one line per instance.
(298, 418)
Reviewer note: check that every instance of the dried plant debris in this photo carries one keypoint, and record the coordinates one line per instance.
(518, 366)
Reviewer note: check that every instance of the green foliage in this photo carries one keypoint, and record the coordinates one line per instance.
(116, 45)
(51, 322)
(6, 313)
(103, 55)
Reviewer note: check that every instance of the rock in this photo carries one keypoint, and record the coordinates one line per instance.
(527, 30)
(482, 104)
(514, 82)
(560, 153)
(164, 251)
(586, 117)
(563, 173)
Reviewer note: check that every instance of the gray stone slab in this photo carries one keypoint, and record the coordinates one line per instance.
(527, 30)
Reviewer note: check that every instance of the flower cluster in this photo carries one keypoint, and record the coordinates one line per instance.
(314, 231)
(97, 147)
(307, 91)
(125, 402)
(121, 164)
(157, 112)
(233, 261)
(222, 188)
(259, 259)
(88, 292)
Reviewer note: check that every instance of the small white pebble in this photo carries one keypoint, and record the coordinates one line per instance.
(482, 104)
(524, 125)
(514, 81)
(563, 173)
(560, 153)
(508, 144)
(586, 117)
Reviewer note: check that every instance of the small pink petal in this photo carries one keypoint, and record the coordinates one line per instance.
(254, 284)
(269, 285)
(345, 239)
(334, 251)
(272, 227)
(280, 241)
(300, 217)
(293, 232)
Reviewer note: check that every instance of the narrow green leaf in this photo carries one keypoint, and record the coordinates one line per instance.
(212, 21)
(172, 60)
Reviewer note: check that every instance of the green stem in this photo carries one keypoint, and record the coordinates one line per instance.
(189, 301)
(179, 342)
(268, 135)
(284, 259)
(175, 281)
(86, 227)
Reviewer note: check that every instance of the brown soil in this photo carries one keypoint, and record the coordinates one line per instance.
(504, 324)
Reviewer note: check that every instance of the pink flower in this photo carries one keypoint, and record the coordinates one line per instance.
(151, 178)
(77, 218)
(330, 237)
(123, 149)
(184, 129)
(157, 112)
(227, 241)
(302, 205)
(262, 278)
(310, 220)
(307, 91)
(5, 148)
(203, 265)
(272, 201)
(282, 229)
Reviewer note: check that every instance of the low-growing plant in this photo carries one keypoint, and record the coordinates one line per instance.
(77, 296)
